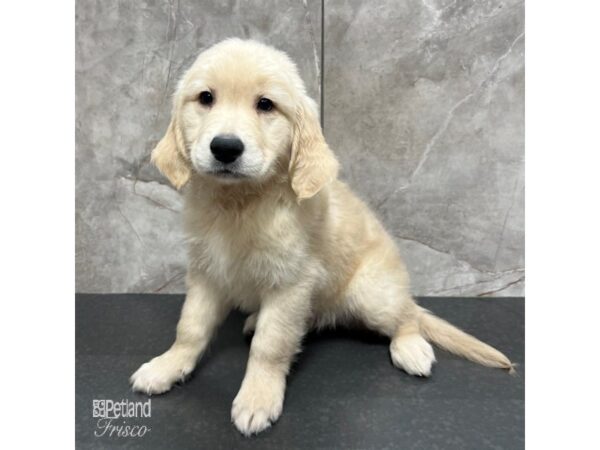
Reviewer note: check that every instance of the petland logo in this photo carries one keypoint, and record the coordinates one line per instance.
(113, 417)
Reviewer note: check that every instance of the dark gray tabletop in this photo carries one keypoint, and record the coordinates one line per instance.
(343, 391)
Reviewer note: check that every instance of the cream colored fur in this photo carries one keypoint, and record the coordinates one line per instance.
(288, 243)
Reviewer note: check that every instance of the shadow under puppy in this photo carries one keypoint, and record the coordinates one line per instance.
(274, 233)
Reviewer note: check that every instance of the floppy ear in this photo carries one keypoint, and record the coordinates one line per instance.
(312, 163)
(170, 157)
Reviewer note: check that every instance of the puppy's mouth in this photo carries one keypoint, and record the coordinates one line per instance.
(226, 174)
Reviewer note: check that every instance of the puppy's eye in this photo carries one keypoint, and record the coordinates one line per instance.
(264, 104)
(206, 98)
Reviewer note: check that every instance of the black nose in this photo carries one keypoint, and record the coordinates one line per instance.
(226, 148)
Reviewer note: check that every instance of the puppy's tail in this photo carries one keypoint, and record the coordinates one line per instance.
(456, 341)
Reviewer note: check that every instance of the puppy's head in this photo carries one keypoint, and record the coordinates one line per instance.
(241, 115)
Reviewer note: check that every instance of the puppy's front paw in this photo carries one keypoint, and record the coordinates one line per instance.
(257, 405)
(159, 374)
(413, 354)
(250, 324)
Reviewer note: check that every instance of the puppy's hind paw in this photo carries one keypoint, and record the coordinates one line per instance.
(413, 354)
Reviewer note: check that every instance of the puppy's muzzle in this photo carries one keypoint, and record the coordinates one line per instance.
(226, 148)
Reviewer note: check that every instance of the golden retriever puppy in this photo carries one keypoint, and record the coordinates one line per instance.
(274, 233)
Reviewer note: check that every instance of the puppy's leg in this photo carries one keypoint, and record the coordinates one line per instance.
(280, 326)
(379, 295)
(202, 312)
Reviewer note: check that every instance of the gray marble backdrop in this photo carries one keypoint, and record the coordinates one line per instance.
(423, 103)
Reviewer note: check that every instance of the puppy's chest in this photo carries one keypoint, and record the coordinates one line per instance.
(248, 255)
